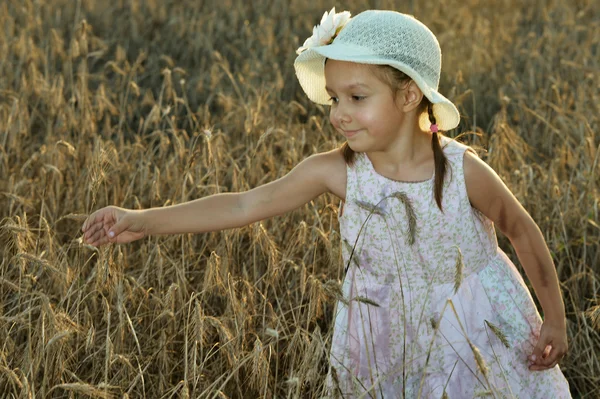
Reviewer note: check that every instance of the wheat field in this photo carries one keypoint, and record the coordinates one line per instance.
(142, 103)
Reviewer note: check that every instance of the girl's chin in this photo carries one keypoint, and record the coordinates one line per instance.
(356, 147)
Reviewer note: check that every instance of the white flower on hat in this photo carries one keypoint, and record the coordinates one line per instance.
(330, 26)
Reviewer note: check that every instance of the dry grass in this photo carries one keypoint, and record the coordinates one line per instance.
(148, 103)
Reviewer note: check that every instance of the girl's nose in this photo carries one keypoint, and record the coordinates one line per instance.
(340, 115)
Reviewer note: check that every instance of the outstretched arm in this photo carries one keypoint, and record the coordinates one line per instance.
(312, 177)
(305, 182)
(491, 197)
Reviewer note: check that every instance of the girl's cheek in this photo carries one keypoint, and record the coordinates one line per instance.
(333, 120)
(367, 119)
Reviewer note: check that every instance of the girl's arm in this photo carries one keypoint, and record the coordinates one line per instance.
(325, 172)
(305, 182)
(491, 197)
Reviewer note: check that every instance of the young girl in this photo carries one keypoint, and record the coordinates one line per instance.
(432, 307)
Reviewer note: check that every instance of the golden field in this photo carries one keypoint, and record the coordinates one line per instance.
(142, 103)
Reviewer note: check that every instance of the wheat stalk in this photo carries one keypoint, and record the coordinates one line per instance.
(593, 314)
(459, 268)
(410, 215)
(496, 330)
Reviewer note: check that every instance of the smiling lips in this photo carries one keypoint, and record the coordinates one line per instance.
(350, 133)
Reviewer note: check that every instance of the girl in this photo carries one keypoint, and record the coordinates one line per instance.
(431, 306)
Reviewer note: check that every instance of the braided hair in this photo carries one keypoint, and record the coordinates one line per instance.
(439, 159)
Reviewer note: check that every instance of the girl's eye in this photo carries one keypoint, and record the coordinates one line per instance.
(335, 100)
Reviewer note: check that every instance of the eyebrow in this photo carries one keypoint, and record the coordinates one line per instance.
(350, 86)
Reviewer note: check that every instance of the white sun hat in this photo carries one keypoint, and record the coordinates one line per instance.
(381, 38)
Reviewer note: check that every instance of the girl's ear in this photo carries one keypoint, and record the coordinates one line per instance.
(411, 97)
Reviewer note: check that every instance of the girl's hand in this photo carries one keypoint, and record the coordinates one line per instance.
(115, 225)
(551, 346)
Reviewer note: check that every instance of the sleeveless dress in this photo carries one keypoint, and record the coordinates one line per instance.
(431, 306)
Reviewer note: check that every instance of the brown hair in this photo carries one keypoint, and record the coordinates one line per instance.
(396, 80)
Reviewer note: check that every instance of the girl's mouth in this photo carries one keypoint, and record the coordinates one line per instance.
(350, 133)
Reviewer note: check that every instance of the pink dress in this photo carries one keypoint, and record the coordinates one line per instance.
(431, 307)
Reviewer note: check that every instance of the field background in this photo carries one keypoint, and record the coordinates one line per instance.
(147, 103)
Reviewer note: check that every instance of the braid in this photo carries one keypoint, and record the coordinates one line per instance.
(439, 159)
(431, 116)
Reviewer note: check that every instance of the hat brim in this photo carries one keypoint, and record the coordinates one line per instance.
(310, 70)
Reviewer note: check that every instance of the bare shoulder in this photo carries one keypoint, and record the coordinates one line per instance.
(315, 175)
(473, 165)
(331, 168)
(488, 194)
(479, 177)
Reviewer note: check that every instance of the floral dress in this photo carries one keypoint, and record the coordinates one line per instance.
(431, 306)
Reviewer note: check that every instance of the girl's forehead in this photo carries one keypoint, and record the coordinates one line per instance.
(347, 66)
(348, 73)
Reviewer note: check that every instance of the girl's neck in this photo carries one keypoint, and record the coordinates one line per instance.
(411, 150)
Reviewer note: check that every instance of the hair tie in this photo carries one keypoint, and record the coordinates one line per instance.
(434, 127)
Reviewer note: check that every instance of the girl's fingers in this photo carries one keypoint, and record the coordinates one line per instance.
(537, 367)
(550, 358)
(107, 225)
(118, 228)
(89, 234)
(536, 356)
(100, 216)
(95, 225)
(91, 229)
(85, 224)
(90, 221)
(102, 241)
(96, 237)
(555, 355)
(546, 352)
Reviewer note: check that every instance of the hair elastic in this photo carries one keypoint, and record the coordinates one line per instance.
(434, 127)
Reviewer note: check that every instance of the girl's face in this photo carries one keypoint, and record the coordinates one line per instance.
(362, 106)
